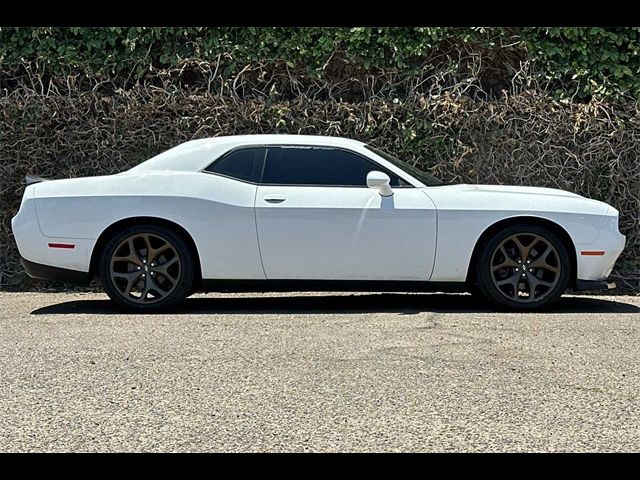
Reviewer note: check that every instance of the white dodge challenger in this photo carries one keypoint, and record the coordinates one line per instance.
(295, 212)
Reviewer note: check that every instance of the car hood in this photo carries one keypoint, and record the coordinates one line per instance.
(511, 189)
(513, 197)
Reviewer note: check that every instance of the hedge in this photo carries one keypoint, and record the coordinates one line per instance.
(576, 61)
(63, 126)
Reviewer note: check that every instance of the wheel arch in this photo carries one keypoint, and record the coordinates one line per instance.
(121, 224)
(543, 222)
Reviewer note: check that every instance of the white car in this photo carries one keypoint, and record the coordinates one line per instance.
(295, 212)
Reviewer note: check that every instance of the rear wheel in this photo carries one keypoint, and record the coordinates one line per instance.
(147, 268)
(524, 267)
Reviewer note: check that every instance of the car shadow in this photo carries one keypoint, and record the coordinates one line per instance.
(402, 303)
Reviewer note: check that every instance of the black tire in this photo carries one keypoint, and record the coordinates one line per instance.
(176, 280)
(474, 289)
(510, 282)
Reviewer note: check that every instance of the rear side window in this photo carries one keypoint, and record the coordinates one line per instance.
(319, 166)
(244, 164)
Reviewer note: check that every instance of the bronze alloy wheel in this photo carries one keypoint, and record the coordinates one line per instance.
(145, 268)
(525, 267)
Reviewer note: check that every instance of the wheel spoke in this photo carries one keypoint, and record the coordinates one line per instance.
(541, 261)
(521, 248)
(151, 285)
(508, 261)
(534, 282)
(127, 275)
(152, 253)
(532, 288)
(163, 269)
(512, 280)
(133, 256)
(525, 250)
(130, 277)
(155, 252)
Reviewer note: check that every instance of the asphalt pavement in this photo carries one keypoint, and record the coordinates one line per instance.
(318, 372)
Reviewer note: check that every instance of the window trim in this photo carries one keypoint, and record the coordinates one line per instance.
(266, 148)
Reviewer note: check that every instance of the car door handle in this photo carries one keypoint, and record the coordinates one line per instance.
(274, 198)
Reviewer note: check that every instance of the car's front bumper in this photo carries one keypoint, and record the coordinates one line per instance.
(582, 285)
(596, 260)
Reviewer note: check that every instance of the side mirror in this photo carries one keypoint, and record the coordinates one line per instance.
(380, 181)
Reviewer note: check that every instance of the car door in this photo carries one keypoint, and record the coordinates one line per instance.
(316, 219)
(226, 226)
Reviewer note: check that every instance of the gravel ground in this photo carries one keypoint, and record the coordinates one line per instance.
(318, 372)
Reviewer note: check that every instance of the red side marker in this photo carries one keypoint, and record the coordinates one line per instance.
(62, 245)
(592, 252)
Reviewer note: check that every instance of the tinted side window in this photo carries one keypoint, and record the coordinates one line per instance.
(318, 166)
(244, 164)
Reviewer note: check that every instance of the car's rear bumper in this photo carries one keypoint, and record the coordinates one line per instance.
(55, 274)
(63, 253)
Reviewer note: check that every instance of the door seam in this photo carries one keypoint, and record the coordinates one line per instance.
(435, 247)
(255, 220)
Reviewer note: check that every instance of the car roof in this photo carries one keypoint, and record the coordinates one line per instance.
(276, 139)
(195, 154)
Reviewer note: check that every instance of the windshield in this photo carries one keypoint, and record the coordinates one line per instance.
(424, 177)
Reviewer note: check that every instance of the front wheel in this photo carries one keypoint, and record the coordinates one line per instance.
(147, 268)
(523, 267)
